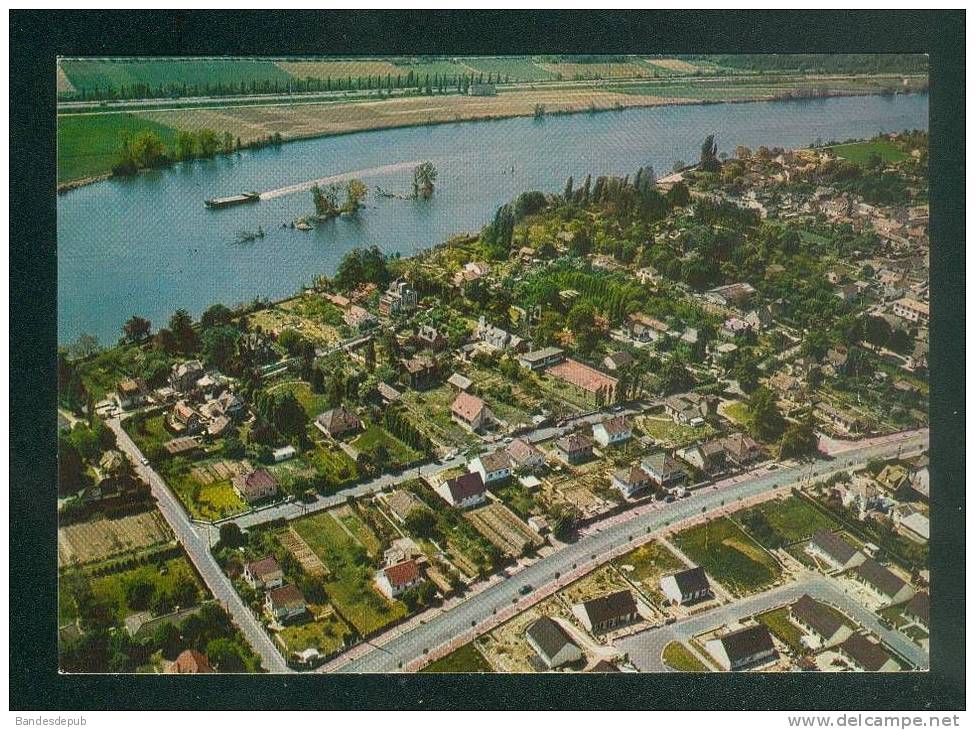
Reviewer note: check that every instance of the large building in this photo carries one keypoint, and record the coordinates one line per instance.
(589, 382)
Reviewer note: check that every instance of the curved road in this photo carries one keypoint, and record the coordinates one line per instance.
(544, 576)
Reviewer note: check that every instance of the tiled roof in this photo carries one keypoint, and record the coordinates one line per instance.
(864, 652)
(263, 567)
(403, 573)
(467, 406)
(548, 636)
(824, 620)
(287, 596)
(834, 546)
(614, 606)
(744, 643)
(876, 575)
(582, 376)
(465, 486)
(692, 580)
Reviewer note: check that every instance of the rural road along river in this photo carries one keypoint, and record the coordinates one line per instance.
(447, 628)
(198, 549)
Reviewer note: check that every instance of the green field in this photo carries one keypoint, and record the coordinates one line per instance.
(326, 634)
(88, 144)
(679, 658)
(333, 463)
(784, 521)
(729, 556)
(210, 74)
(465, 660)
(782, 628)
(861, 152)
(349, 585)
(647, 564)
(313, 403)
(518, 68)
(372, 437)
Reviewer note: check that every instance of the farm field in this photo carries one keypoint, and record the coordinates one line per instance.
(89, 144)
(310, 315)
(466, 659)
(518, 68)
(861, 152)
(101, 538)
(729, 556)
(349, 584)
(203, 76)
(575, 71)
(679, 658)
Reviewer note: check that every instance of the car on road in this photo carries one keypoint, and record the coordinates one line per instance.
(669, 498)
(617, 409)
(144, 461)
(525, 589)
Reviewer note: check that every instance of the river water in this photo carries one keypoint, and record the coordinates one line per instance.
(148, 246)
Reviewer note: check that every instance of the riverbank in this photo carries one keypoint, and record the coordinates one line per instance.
(325, 118)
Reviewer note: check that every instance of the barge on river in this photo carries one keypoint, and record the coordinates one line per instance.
(232, 200)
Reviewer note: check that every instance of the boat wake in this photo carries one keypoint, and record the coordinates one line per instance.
(341, 177)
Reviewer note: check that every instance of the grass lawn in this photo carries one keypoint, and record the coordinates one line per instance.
(739, 413)
(466, 659)
(112, 588)
(149, 434)
(326, 634)
(861, 152)
(673, 435)
(679, 658)
(333, 463)
(791, 519)
(399, 453)
(647, 564)
(102, 373)
(313, 403)
(431, 411)
(88, 144)
(360, 530)
(729, 555)
(349, 586)
(518, 499)
(207, 501)
(781, 627)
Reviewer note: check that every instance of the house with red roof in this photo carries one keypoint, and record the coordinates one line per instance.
(464, 491)
(285, 603)
(255, 486)
(190, 662)
(396, 579)
(469, 410)
(264, 574)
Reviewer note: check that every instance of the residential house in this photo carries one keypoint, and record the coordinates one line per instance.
(497, 338)
(219, 427)
(733, 327)
(472, 271)
(606, 613)
(185, 419)
(589, 382)
(918, 610)
(430, 338)
(911, 310)
(644, 328)
(420, 372)
(882, 583)
(686, 586)
(255, 486)
(264, 574)
(471, 411)
(740, 449)
(613, 431)
(401, 503)
(730, 295)
(285, 603)
(824, 625)
(689, 408)
(863, 496)
(867, 656)
(207, 386)
(836, 552)
(892, 477)
(399, 298)
(618, 360)
(387, 393)
(461, 382)
(464, 491)
(664, 470)
(284, 453)
(841, 421)
(742, 649)
(552, 644)
(630, 481)
(920, 482)
(709, 456)
(541, 359)
(396, 579)
(230, 404)
(184, 375)
(836, 360)
(493, 467)
(525, 456)
(759, 318)
(574, 448)
(190, 661)
(337, 422)
(130, 393)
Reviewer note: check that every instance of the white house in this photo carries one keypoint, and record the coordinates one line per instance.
(824, 625)
(464, 491)
(613, 431)
(284, 453)
(687, 586)
(525, 456)
(264, 574)
(552, 644)
(396, 579)
(493, 467)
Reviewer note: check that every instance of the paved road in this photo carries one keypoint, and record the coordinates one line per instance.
(645, 649)
(593, 549)
(198, 549)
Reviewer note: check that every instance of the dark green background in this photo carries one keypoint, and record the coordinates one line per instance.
(37, 37)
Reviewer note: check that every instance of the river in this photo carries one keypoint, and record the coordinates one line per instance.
(148, 246)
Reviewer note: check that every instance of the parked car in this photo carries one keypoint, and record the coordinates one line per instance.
(525, 589)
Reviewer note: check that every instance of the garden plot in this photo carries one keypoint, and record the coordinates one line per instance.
(503, 528)
(101, 538)
(305, 556)
(219, 471)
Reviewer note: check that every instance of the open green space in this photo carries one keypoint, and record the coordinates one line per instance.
(679, 658)
(333, 463)
(729, 556)
(861, 152)
(313, 403)
(374, 436)
(783, 521)
(466, 659)
(88, 144)
(671, 434)
(326, 634)
(778, 623)
(349, 584)
(647, 564)
(512, 68)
